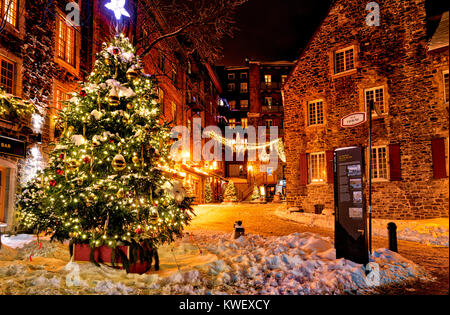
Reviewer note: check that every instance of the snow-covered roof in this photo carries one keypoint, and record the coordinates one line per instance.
(440, 37)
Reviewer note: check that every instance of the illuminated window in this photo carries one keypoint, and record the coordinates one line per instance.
(9, 11)
(232, 123)
(65, 44)
(315, 113)
(344, 60)
(380, 163)
(244, 123)
(283, 79)
(232, 105)
(446, 90)
(244, 104)
(244, 87)
(61, 96)
(7, 76)
(377, 96)
(317, 170)
(268, 79)
(231, 87)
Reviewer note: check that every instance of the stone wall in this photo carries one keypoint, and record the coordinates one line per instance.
(393, 55)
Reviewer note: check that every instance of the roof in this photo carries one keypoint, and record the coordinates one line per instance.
(440, 37)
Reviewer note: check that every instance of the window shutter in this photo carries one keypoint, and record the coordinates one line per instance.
(303, 169)
(439, 167)
(330, 169)
(395, 162)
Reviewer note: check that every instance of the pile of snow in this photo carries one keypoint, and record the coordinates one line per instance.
(211, 263)
(431, 232)
(17, 241)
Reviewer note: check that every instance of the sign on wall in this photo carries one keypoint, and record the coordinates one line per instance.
(12, 147)
(353, 120)
(350, 204)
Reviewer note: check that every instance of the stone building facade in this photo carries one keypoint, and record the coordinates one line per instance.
(401, 65)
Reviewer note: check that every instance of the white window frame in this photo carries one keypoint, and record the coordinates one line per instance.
(446, 72)
(377, 163)
(374, 89)
(315, 102)
(312, 180)
(346, 69)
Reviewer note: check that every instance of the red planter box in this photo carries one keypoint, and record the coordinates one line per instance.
(82, 253)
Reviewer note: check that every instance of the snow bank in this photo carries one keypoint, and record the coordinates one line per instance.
(431, 232)
(17, 241)
(212, 263)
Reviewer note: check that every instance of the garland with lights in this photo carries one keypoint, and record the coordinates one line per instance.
(276, 145)
(104, 184)
(14, 107)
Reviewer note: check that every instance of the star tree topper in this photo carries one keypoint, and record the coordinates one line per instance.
(118, 7)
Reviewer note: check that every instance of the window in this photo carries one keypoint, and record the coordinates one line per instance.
(231, 87)
(7, 76)
(315, 113)
(283, 79)
(189, 67)
(232, 123)
(61, 96)
(268, 123)
(244, 76)
(344, 60)
(9, 11)
(232, 105)
(244, 87)
(380, 163)
(244, 104)
(268, 101)
(231, 76)
(244, 123)
(65, 46)
(268, 79)
(377, 96)
(446, 91)
(174, 112)
(162, 62)
(317, 169)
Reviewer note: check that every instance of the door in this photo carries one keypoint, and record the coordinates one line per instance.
(2, 193)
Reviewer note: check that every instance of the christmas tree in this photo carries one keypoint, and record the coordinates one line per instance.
(256, 194)
(230, 194)
(208, 193)
(108, 179)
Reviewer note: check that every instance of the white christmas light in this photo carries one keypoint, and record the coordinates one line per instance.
(118, 7)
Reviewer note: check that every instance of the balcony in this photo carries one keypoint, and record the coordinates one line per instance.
(272, 109)
(271, 86)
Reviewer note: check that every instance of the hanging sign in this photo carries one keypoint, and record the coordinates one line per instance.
(351, 219)
(12, 147)
(353, 120)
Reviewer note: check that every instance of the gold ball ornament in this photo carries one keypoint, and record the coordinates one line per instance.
(107, 61)
(121, 194)
(119, 163)
(113, 100)
(135, 160)
(130, 106)
(132, 74)
(153, 218)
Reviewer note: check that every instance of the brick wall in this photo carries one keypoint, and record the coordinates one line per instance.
(393, 55)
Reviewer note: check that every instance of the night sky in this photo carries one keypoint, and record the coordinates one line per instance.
(279, 29)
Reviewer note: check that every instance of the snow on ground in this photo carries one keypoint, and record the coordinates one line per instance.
(17, 241)
(209, 263)
(431, 232)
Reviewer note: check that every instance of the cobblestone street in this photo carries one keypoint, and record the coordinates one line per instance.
(262, 220)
